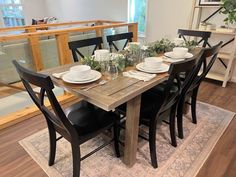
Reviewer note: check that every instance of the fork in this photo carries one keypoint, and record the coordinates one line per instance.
(102, 82)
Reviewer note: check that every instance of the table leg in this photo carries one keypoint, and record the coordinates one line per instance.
(131, 131)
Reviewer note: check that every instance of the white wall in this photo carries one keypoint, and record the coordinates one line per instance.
(34, 9)
(74, 10)
(160, 15)
(165, 17)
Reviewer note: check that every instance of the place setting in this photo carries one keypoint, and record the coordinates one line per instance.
(153, 65)
(148, 69)
(177, 54)
(80, 74)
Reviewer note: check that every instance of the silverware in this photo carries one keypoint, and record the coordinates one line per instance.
(140, 73)
(102, 82)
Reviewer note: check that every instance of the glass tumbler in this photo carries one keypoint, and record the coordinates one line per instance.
(112, 71)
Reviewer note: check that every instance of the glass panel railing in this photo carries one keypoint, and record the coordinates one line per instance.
(20, 50)
(13, 99)
(49, 52)
(14, 50)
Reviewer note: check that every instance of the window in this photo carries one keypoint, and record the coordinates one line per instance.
(12, 13)
(137, 12)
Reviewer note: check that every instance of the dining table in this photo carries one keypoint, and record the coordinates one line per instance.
(109, 96)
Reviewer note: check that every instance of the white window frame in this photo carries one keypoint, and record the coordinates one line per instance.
(14, 5)
(141, 34)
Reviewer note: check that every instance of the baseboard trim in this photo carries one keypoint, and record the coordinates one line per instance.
(233, 79)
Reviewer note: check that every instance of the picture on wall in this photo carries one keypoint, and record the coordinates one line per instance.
(209, 2)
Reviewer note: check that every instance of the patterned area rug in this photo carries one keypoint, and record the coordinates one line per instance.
(185, 160)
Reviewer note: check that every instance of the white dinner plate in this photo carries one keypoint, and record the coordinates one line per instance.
(97, 75)
(164, 68)
(172, 55)
(90, 76)
(171, 60)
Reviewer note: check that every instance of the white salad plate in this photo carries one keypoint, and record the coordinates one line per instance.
(172, 55)
(163, 68)
(71, 77)
(93, 76)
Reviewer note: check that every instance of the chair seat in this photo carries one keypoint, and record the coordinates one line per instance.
(88, 120)
(160, 88)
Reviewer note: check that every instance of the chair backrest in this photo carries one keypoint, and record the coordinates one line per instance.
(203, 35)
(75, 45)
(176, 72)
(112, 38)
(56, 119)
(208, 54)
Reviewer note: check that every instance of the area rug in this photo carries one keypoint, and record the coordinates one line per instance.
(183, 161)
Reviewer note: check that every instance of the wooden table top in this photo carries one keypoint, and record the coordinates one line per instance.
(110, 95)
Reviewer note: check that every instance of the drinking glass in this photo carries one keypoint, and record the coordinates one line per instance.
(103, 65)
(112, 71)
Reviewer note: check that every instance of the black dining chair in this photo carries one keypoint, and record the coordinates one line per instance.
(117, 37)
(75, 45)
(77, 124)
(161, 102)
(203, 35)
(205, 62)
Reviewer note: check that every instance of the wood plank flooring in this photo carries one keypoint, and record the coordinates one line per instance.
(222, 161)
(7, 91)
(15, 162)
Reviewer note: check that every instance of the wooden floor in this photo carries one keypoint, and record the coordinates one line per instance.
(7, 91)
(15, 162)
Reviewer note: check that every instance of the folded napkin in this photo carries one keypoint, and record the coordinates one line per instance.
(139, 75)
(59, 75)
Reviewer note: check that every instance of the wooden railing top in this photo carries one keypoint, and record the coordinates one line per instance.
(102, 24)
(16, 28)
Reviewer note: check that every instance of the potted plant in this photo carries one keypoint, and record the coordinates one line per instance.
(229, 9)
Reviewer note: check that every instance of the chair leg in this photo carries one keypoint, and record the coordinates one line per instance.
(193, 105)
(116, 137)
(110, 47)
(172, 125)
(76, 159)
(52, 144)
(180, 118)
(152, 145)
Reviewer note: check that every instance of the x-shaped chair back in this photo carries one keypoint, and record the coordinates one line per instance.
(203, 35)
(75, 45)
(112, 38)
